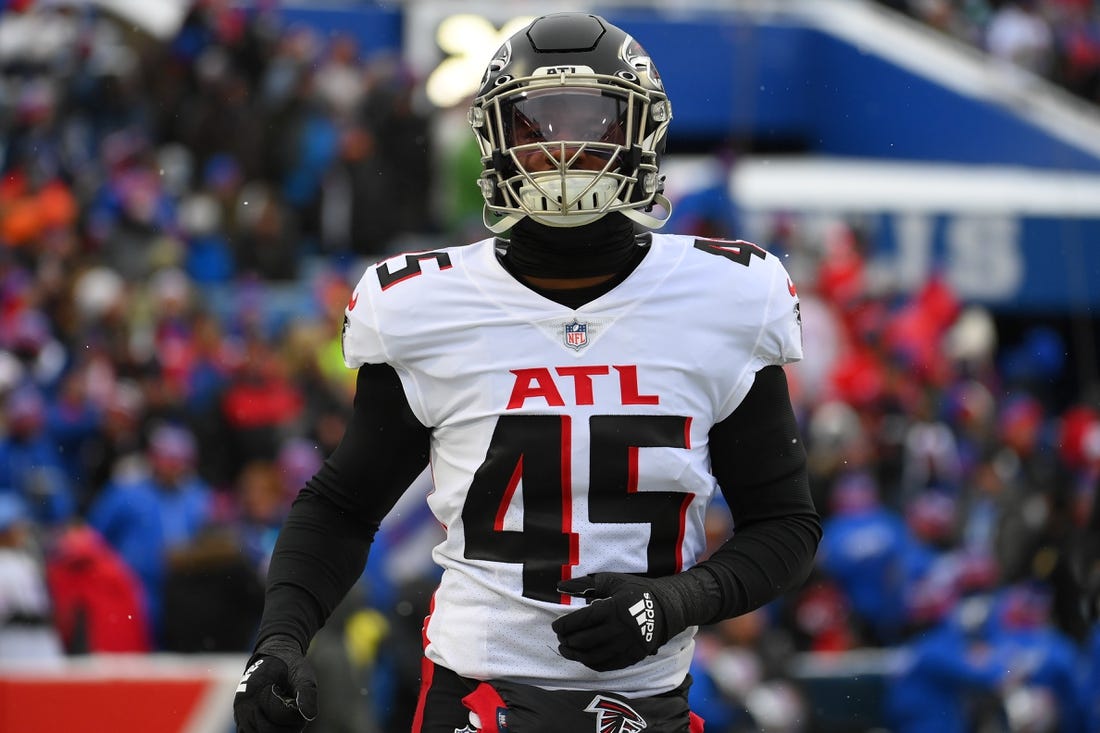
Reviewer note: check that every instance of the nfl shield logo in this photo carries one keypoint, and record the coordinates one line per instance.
(576, 335)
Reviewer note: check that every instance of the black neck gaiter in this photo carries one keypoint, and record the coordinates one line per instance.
(607, 246)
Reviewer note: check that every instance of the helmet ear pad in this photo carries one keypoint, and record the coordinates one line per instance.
(571, 118)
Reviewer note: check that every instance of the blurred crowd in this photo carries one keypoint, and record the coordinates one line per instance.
(1058, 40)
(180, 220)
(958, 483)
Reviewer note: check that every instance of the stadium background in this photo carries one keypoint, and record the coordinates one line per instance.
(190, 189)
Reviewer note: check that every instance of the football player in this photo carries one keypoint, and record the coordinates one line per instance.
(582, 388)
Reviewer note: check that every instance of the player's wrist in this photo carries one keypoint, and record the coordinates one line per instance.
(282, 646)
(689, 598)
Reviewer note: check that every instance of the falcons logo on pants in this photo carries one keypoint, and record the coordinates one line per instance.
(614, 716)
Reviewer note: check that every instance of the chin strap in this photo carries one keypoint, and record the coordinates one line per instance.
(501, 225)
(649, 221)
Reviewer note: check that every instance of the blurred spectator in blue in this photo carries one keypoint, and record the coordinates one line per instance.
(1034, 366)
(130, 212)
(312, 144)
(72, 420)
(209, 257)
(31, 466)
(147, 516)
(864, 549)
(709, 210)
(263, 502)
(99, 602)
(969, 410)
(34, 122)
(950, 578)
(933, 520)
(172, 300)
(949, 679)
(26, 621)
(929, 562)
(995, 659)
(1090, 679)
(222, 180)
(708, 702)
(27, 334)
(943, 572)
(1043, 657)
(407, 534)
(213, 359)
(116, 448)
(741, 664)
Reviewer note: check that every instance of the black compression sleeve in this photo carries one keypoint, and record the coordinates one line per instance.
(322, 547)
(760, 463)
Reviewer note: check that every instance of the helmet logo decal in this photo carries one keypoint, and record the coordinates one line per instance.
(500, 59)
(636, 56)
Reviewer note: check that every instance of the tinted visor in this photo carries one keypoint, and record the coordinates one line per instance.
(564, 115)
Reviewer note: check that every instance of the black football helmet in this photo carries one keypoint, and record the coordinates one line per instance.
(571, 118)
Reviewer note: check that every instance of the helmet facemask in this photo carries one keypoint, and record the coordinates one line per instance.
(566, 147)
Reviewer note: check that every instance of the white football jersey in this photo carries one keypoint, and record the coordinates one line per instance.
(568, 441)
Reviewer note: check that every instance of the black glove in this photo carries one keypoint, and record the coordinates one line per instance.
(278, 692)
(628, 618)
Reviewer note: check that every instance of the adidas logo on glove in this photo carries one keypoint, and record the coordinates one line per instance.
(243, 684)
(644, 613)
